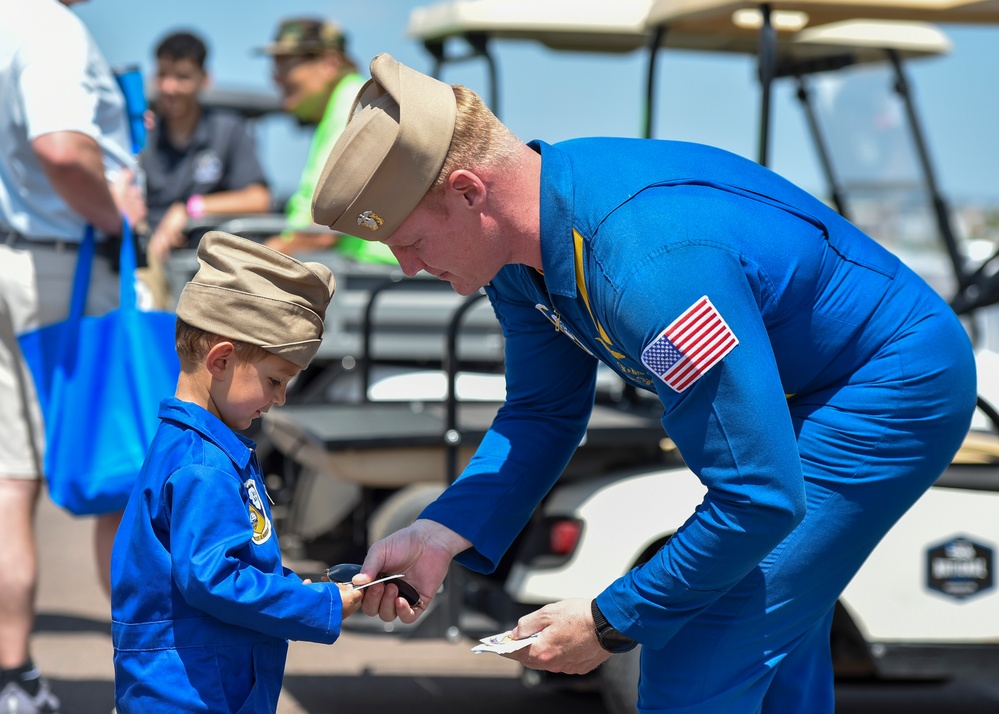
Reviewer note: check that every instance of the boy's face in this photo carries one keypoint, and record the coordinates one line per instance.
(252, 388)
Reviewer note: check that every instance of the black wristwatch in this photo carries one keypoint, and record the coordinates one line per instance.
(609, 638)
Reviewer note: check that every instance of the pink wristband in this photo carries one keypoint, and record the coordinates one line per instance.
(196, 206)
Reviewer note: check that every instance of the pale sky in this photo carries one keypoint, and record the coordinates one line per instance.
(553, 96)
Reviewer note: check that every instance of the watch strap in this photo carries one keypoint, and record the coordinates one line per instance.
(608, 637)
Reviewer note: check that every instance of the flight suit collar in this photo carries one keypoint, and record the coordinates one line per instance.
(557, 255)
(236, 446)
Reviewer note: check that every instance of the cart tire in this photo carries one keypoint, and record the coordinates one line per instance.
(401, 509)
(619, 682)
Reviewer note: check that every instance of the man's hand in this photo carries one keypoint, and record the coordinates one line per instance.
(302, 242)
(422, 552)
(128, 197)
(568, 641)
(169, 234)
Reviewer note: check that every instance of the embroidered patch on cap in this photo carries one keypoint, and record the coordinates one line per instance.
(371, 220)
(690, 346)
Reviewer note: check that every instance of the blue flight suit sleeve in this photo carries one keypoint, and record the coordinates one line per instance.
(550, 384)
(212, 563)
(732, 427)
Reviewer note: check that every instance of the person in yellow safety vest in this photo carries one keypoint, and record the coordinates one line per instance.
(318, 82)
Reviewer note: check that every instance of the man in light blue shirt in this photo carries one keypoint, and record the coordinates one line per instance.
(65, 161)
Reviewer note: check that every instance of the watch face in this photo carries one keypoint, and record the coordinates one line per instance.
(613, 641)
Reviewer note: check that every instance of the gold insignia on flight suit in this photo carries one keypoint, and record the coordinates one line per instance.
(556, 320)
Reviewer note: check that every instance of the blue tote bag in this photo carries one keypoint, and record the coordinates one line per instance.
(99, 381)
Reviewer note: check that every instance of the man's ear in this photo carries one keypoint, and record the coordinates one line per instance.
(220, 359)
(468, 187)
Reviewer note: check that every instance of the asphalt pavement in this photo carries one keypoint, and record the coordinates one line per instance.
(373, 673)
(361, 673)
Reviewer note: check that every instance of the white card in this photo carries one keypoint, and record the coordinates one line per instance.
(377, 580)
(503, 643)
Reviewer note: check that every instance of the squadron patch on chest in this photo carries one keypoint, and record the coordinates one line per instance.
(691, 345)
(259, 521)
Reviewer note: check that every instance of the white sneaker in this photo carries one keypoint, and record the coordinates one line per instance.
(14, 700)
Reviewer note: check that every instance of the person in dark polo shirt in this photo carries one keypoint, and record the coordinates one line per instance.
(197, 160)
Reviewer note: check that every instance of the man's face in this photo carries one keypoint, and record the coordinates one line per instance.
(178, 82)
(455, 246)
(305, 82)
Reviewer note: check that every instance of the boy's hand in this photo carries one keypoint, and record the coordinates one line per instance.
(350, 598)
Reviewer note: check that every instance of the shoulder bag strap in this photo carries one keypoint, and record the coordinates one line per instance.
(126, 269)
(81, 279)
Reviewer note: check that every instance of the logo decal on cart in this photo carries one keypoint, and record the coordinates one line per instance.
(959, 568)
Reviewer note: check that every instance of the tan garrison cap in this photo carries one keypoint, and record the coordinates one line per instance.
(248, 292)
(306, 36)
(396, 139)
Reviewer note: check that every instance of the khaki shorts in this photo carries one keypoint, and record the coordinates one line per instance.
(35, 287)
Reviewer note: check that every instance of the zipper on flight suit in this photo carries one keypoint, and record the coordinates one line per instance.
(260, 470)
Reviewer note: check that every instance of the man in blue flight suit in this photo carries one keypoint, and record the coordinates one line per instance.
(813, 383)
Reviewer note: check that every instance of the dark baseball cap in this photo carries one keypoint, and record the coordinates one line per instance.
(306, 36)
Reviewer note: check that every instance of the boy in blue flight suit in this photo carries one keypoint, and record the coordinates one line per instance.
(814, 384)
(202, 607)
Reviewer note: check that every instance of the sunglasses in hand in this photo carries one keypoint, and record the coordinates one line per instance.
(345, 572)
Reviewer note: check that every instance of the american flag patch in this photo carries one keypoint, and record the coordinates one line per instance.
(690, 346)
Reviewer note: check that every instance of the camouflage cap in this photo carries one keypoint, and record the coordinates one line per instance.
(306, 36)
(245, 291)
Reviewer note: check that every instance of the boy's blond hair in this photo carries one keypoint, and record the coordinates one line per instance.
(194, 344)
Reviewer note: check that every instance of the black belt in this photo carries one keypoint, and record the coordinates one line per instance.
(16, 240)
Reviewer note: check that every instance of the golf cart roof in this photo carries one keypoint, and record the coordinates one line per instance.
(584, 25)
(725, 17)
(594, 26)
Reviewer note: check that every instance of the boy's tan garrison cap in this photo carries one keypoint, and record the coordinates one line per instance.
(245, 291)
(396, 139)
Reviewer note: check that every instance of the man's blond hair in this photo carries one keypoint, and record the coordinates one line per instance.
(480, 140)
